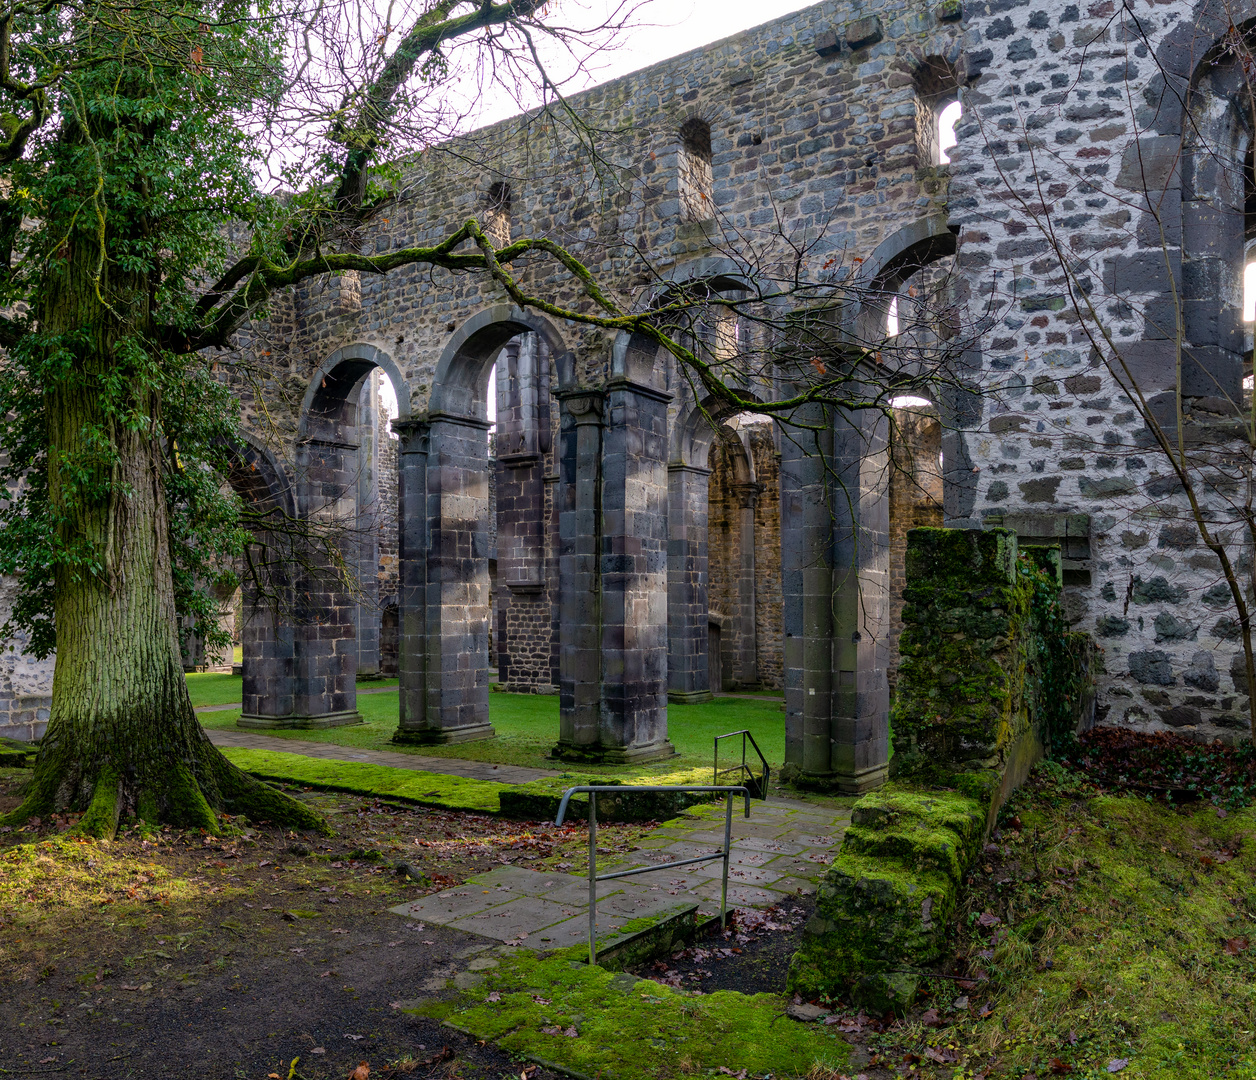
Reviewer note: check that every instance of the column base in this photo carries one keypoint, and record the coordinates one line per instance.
(689, 697)
(835, 783)
(613, 755)
(444, 736)
(322, 720)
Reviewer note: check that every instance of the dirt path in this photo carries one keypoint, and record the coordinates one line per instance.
(182, 955)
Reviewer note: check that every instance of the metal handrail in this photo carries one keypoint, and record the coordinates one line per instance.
(728, 790)
(743, 769)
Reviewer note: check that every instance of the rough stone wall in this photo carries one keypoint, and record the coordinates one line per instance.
(915, 501)
(25, 683)
(1050, 133)
(769, 616)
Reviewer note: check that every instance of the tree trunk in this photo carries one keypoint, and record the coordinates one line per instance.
(123, 738)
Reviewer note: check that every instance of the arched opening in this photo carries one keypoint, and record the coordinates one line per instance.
(309, 649)
(1218, 225)
(693, 168)
(497, 214)
(937, 109)
(471, 505)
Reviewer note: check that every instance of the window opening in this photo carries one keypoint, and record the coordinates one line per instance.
(947, 120)
(497, 227)
(891, 318)
(694, 169)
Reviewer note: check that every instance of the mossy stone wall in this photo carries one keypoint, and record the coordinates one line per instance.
(989, 674)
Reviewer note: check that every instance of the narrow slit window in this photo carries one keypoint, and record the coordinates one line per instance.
(497, 225)
(694, 165)
(891, 318)
(1249, 292)
(947, 119)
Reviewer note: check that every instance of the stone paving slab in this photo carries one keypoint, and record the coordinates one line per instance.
(780, 852)
(475, 770)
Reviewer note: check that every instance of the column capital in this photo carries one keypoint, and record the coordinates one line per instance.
(748, 494)
(585, 406)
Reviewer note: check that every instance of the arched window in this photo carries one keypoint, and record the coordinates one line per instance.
(694, 171)
(497, 225)
(937, 110)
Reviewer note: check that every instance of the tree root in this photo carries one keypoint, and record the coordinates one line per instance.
(176, 795)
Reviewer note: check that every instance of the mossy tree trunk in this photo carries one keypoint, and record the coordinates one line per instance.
(123, 738)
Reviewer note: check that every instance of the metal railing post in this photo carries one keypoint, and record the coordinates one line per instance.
(728, 844)
(593, 877)
(726, 790)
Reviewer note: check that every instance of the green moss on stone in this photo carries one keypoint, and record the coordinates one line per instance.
(883, 906)
(359, 778)
(666, 1032)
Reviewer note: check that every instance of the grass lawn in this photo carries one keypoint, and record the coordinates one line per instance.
(527, 728)
(211, 688)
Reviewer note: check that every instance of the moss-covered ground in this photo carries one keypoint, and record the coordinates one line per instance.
(600, 1025)
(1101, 934)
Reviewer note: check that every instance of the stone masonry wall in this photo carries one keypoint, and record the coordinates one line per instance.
(25, 683)
(915, 501)
(1077, 120)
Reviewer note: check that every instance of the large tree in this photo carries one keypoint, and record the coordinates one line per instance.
(139, 232)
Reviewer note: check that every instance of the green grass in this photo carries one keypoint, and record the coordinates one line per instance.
(527, 729)
(212, 688)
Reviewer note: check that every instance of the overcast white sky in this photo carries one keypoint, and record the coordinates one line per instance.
(663, 28)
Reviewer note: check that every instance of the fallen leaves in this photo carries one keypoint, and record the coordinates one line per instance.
(362, 1071)
(556, 1029)
(1117, 1064)
(1236, 945)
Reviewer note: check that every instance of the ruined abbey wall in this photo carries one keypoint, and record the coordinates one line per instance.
(1073, 151)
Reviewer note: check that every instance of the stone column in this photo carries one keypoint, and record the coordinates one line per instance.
(412, 580)
(579, 595)
(456, 587)
(523, 613)
(748, 647)
(319, 619)
(266, 656)
(835, 568)
(634, 574)
(367, 612)
(687, 568)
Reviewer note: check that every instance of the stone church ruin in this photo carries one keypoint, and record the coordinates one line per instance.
(609, 538)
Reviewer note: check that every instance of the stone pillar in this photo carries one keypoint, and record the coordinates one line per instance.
(367, 611)
(524, 642)
(634, 574)
(412, 542)
(266, 656)
(580, 600)
(748, 647)
(835, 570)
(688, 609)
(456, 589)
(319, 615)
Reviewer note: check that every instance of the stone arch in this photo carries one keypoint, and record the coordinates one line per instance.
(334, 379)
(459, 385)
(446, 596)
(255, 474)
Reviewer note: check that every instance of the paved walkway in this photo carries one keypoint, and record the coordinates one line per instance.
(475, 770)
(780, 852)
